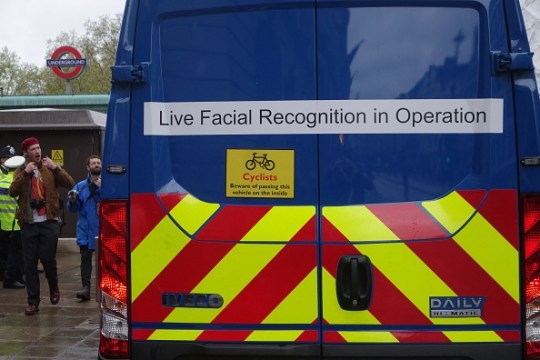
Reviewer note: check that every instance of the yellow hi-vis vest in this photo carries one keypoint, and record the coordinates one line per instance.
(8, 205)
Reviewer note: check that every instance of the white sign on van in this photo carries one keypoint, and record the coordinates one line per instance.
(419, 116)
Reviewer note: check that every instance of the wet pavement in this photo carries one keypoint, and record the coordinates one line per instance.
(69, 330)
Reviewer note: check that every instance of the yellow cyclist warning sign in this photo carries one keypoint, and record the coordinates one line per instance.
(260, 173)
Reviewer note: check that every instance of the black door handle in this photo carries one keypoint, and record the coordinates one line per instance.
(354, 283)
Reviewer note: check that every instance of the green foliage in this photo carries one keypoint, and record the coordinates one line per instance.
(97, 44)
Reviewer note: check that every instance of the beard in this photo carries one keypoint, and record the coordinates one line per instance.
(95, 172)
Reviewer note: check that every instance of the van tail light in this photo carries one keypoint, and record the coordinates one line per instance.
(531, 235)
(112, 278)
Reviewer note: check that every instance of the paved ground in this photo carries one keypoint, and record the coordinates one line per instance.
(69, 330)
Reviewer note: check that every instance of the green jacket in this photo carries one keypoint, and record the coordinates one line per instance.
(22, 187)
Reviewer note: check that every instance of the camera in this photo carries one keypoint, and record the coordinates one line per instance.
(37, 203)
(72, 194)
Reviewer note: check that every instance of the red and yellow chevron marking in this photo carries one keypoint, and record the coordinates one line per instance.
(261, 260)
(472, 251)
(420, 337)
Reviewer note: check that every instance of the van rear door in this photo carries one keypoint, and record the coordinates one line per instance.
(220, 254)
(419, 231)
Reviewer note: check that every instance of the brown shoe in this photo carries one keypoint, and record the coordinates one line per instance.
(31, 310)
(55, 295)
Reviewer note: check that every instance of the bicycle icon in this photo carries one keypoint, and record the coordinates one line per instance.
(263, 162)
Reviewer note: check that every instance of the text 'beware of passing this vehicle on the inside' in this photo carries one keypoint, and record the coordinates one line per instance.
(321, 179)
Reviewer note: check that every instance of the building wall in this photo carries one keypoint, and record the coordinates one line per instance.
(531, 14)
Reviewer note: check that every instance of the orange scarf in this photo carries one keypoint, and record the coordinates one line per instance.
(38, 192)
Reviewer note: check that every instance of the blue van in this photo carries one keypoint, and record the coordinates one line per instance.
(321, 179)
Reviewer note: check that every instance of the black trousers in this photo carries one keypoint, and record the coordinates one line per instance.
(39, 243)
(86, 265)
(4, 252)
(13, 265)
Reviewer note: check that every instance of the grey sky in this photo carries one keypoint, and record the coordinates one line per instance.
(26, 25)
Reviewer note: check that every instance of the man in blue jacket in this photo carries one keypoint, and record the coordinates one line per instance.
(84, 198)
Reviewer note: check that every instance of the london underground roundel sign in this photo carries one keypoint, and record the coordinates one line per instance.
(57, 61)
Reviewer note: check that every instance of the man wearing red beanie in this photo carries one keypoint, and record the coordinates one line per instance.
(35, 184)
(26, 143)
